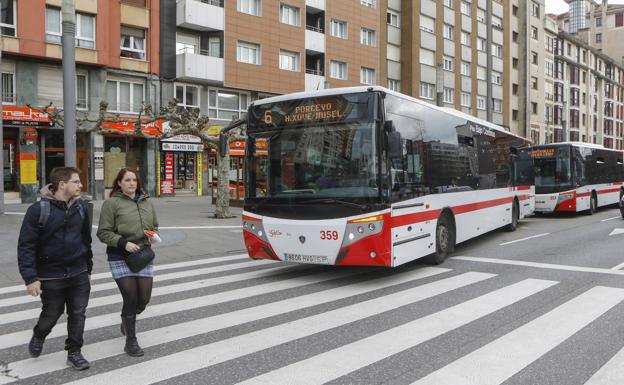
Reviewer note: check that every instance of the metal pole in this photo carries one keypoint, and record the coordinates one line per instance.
(69, 81)
(1, 138)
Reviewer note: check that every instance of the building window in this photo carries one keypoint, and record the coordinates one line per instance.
(427, 90)
(449, 3)
(338, 70)
(124, 97)
(514, 62)
(534, 33)
(465, 38)
(367, 37)
(465, 8)
(480, 15)
(54, 34)
(367, 76)
(498, 105)
(338, 28)
(427, 24)
(497, 22)
(514, 89)
(481, 73)
(248, 52)
(497, 50)
(369, 3)
(394, 85)
(251, 7)
(7, 17)
(289, 15)
(132, 43)
(82, 91)
(427, 57)
(8, 88)
(85, 31)
(480, 103)
(534, 57)
(533, 82)
(534, 108)
(599, 22)
(393, 19)
(497, 78)
(448, 95)
(481, 44)
(598, 38)
(226, 105)
(465, 99)
(448, 31)
(465, 68)
(619, 19)
(187, 95)
(289, 60)
(535, 9)
(448, 64)
(187, 43)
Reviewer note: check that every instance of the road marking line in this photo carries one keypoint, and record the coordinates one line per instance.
(157, 291)
(13, 213)
(514, 351)
(617, 232)
(157, 268)
(109, 348)
(351, 357)
(203, 356)
(540, 265)
(104, 320)
(611, 373)
(610, 219)
(524, 239)
(157, 278)
(618, 267)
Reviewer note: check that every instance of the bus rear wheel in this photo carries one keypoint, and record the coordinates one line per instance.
(445, 241)
(515, 217)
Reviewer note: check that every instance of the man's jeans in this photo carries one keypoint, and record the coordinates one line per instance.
(56, 294)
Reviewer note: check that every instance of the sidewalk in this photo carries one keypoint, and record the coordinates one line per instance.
(183, 223)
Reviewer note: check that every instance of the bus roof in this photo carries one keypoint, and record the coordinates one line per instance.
(577, 144)
(360, 89)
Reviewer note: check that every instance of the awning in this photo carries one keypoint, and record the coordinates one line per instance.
(25, 117)
(151, 129)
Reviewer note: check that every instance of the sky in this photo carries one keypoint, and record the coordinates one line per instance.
(560, 6)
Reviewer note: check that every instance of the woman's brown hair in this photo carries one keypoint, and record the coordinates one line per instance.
(120, 175)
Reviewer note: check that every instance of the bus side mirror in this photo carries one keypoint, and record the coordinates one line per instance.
(222, 144)
(394, 145)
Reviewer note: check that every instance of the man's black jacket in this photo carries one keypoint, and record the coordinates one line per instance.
(61, 249)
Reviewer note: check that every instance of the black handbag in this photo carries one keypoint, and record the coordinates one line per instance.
(138, 260)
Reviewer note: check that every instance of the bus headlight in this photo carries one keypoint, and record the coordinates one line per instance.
(359, 228)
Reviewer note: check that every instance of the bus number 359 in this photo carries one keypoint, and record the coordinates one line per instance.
(329, 235)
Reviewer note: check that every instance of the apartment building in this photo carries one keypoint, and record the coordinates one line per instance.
(116, 61)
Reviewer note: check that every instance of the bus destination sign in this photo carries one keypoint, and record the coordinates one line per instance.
(314, 112)
(543, 152)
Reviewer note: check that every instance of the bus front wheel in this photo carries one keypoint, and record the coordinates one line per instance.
(445, 240)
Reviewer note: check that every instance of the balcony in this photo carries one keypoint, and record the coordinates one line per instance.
(314, 39)
(200, 15)
(199, 67)
(314, 80)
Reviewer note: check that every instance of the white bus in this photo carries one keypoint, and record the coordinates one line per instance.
(574, 176)
(368, 176)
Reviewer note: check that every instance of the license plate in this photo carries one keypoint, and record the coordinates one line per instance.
(318, 259)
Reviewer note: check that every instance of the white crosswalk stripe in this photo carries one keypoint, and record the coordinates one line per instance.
(290, 306)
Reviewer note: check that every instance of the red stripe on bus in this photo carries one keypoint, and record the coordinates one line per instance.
(521, 188)
(581, 195)
(523, 197)
(480, 205)
(608, 191)
(408, 219)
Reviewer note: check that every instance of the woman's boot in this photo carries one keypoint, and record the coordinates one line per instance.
(132, 347)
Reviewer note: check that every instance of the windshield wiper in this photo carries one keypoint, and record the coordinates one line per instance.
(340, 201)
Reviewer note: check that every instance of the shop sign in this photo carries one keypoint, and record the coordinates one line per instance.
(183, 138)
(98, 163)
(30, 134)
(25, 117)
(154, 128)
(166, 146)
(166, 184)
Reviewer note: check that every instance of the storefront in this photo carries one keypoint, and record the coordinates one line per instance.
(180, 171)
(122, 147)
(23, 128)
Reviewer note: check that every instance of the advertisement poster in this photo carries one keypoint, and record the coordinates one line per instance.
(28, 168)
(166, 184)
(199, 174)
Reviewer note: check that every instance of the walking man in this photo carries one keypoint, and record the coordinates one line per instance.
(55, 261)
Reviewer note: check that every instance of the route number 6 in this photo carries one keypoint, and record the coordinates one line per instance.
(268, 118)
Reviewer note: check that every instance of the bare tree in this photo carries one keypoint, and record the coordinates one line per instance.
(181, 121)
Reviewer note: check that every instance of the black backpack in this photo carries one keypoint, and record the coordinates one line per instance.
(44, 213)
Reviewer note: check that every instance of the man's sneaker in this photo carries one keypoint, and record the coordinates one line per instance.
(77, 361)
(35, 346)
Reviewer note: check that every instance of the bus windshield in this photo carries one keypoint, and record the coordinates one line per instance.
(553, 172)
(318, 161)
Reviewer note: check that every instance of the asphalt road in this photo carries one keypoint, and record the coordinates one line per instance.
(541, 305)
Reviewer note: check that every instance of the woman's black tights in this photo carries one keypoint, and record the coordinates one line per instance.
(136, 293)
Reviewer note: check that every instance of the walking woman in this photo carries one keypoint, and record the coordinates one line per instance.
(124, 218)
